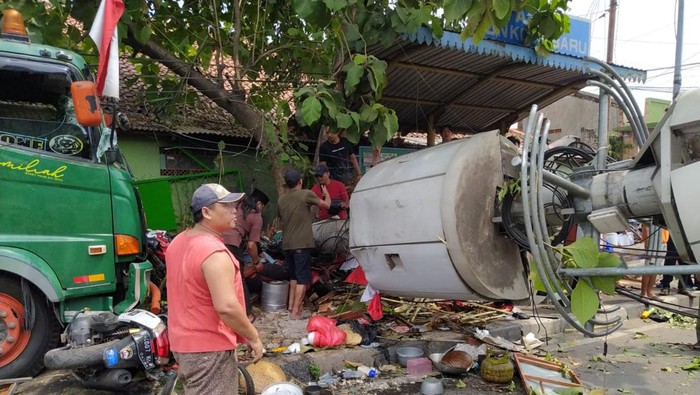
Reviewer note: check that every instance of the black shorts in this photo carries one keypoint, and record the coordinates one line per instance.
(299, 262)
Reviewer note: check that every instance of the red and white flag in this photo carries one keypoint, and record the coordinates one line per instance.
(104, 34)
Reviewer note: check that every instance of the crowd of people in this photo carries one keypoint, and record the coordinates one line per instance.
(209, 317)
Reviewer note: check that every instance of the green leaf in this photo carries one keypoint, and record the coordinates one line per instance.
(284, 157)
(368, 114)
(304, 8)
(584, 252)
(606, 259)
(569, 391)
(311, 110)
(344, 121)
(359, 59)
(501, 8)
(456, 9)
(303, 91)
(481, 29)
(584, 302)
(352, 78)
(330, 105)
(335, 5)
(436, 26)
(143, 34)
(460, 384)
(604, 284)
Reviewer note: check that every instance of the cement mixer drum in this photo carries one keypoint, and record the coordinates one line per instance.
(422, 224)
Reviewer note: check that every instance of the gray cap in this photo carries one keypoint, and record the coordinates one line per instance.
(209, 194)
(292, 177)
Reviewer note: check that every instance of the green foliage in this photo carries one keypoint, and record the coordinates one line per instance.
(584, 301)
(355, 109)
(617, 147)
(285, 45)
(315, 371)
(509, 186)
(584, 253)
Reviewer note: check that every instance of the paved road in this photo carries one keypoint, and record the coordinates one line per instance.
(643, 358)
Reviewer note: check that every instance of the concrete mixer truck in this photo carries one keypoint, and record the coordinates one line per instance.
(432, 224)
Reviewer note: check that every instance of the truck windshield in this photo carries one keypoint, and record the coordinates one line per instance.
(36, 109)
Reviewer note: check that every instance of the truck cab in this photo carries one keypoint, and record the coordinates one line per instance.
(71, 225)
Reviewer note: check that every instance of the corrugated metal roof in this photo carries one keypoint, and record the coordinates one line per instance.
(476, 88)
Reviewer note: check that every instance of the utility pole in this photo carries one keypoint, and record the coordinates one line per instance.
(611, 30)
(679, 51)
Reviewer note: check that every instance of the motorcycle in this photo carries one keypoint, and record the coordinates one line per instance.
(106, 351)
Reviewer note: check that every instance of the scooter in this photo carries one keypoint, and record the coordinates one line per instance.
(107, 352)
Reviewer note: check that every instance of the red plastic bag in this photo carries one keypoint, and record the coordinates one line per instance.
(375, 309)
(357, 277)
(327, 334)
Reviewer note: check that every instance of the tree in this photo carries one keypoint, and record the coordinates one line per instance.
(245, 55)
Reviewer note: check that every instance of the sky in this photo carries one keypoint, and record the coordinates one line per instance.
(645, 38)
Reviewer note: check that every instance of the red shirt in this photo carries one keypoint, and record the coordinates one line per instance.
(338, 192)
(193, 323)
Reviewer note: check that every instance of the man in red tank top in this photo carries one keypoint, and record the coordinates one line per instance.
(206, 313)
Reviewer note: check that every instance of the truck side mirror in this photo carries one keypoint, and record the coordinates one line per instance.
(87, 105)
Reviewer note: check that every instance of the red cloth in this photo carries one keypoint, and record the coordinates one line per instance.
(327, 334)
(103, 32)
(374, 308)
(193, 323)
(338, 192)
(357, 277)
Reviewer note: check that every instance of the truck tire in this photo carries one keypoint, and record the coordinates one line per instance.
(22, 351)
(76, 358)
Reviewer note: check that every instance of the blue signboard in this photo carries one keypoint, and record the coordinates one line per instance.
(575, 43)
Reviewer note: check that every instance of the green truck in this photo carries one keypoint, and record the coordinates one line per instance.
(72, 230)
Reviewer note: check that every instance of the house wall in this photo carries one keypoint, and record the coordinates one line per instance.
(144, 157)
(577, 115)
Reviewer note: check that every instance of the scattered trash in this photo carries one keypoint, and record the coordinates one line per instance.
(324, 333)
(419, 366)
(368, 371)
(432, 386)
(405, 354)
(542, 376)
(327, 379)
(531, 342)
(500, 342)
(497, 369)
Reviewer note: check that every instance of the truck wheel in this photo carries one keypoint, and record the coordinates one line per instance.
(22, 351)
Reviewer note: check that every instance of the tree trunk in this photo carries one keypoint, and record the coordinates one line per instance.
(247, 115)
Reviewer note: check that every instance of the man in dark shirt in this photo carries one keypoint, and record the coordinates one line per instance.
(338, 154)
(297, 235)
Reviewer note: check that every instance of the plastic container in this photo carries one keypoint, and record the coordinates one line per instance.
(352, 374)
(419, 366)
(404, 354)
(274, 295)
(367, 371)
(432, 386)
